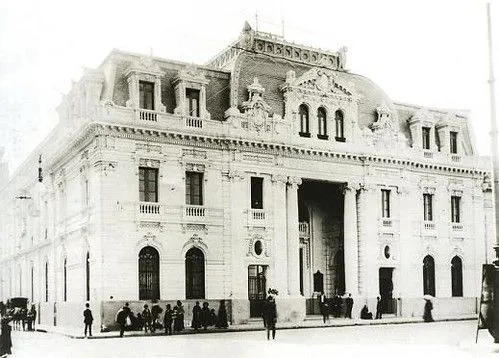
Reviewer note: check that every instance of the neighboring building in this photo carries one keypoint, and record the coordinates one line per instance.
(270, 167)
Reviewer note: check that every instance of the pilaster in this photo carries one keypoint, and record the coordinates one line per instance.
(280, 267)
(350, 239)
(293, 236)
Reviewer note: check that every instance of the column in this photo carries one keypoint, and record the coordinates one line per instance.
(280, 267)
(367, 227)
(293, 236)
(350, 239)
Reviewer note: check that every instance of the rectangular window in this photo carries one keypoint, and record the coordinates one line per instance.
(426, 137)
(148, 184)
(146, 95)
(193, 188)
(428, 207)
(385, 203)
(192, 96)
(256, 193)
(453, 142)
(437, 139)
(455, 203)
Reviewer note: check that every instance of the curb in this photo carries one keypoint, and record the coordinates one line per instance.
(255, 328)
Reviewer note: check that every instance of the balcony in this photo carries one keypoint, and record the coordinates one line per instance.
(257, 217)
(147, 115)
(194, 122)
(428, 226)
(304, 229)
(194, 211)
(428, 154)
(149, 208)
(455, 158)
(457, 227)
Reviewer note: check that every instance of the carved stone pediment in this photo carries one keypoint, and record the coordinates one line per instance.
(422, 116)
(317, 80)
(384, 132)
(192, 74)
(145, 64)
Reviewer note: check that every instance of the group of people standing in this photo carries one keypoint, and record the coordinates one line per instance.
(334, 306)
(173, 318)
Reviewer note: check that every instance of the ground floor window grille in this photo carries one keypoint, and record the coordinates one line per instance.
(194, 274)
(148, 273)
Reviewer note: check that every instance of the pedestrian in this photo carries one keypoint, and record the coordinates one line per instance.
(168, 319)
(270, 316)
(178, 322)
(196, 316)
(155, 312)
(428, 306)
(205, 315)
(222, 316)
(146, 318)
(123, 318)
(323, 306)
(349, 306)
(5, 338)
(378, 308)
(213, 317)
(88, 319)
(365, 314)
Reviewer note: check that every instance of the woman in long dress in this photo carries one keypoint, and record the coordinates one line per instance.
(5, 338)
(428, 306)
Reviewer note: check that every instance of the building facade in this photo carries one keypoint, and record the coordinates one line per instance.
(270, 167)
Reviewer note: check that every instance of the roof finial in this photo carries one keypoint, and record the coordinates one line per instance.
(256, 21)
(283, 26)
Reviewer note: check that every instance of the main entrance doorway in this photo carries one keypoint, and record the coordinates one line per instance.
(386, 290)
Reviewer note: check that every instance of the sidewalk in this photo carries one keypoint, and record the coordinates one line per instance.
(252, 325)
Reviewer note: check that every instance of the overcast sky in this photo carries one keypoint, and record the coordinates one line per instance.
(426, 52)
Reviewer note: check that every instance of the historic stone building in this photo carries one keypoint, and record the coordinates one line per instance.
(272, 166)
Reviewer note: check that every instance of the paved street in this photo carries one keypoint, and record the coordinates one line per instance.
(440, 339)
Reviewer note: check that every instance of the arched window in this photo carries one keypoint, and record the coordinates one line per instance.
(87, 276)
(148, 273)
(194, 274)
(338, 120)
(322, 123)
(457, 276)
(304, 124)
(429, 276)
(65, 280)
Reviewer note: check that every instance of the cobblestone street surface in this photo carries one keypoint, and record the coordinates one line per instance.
(439, 339)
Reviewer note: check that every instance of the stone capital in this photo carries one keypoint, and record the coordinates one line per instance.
(368, 187)
(351, 187)
(294, 181)
(279, 179)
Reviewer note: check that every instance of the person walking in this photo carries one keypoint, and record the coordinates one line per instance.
(155, 312)
(88, 319)
(123, 318)
(146, 318)
(222, 316)
(349, 306)
(428, 306)
(270, 316)
(324, 307)
(378, 308)
(168, 319)
(5, 338)
(196, 316)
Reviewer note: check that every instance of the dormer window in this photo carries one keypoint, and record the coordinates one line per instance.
(146, 95)
(192, 97)
(304, 121)
(339, 123)
(322, 123)
(453, 142)
(426, 137)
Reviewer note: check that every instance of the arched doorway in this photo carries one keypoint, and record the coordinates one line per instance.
(194, 274)
(148, 273)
